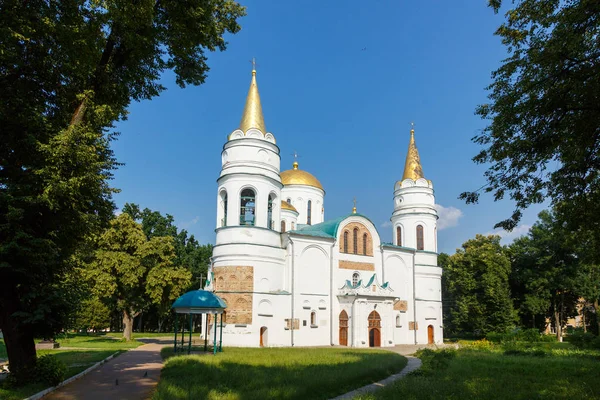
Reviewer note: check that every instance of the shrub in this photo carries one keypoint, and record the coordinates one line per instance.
(482, 344)
(50, 370)
(519, 335)
(581, 339)
(434, 360)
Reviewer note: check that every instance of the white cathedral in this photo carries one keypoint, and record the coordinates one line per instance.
(292, 278)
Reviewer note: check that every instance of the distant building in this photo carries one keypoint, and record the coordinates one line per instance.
(292, 278)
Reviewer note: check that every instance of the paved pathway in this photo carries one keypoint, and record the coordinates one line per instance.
(128, 368)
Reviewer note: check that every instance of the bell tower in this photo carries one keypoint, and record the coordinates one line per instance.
(249, 186)
(414, 219)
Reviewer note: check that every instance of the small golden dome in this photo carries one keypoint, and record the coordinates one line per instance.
(287, 206)
(298, 177)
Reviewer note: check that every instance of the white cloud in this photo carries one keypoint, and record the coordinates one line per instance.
(386, 224)
(508, 237)
(194, 221)
(449, 216)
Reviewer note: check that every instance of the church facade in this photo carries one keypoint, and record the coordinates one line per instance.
(292, 278)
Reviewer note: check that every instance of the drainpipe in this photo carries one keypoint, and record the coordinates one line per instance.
(292, 290)
(331, 294)
(414, 296)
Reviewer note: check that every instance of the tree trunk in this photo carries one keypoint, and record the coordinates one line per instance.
(557, 322)
(597, 309)
(127, 325)
(18, 338)
(160, 322)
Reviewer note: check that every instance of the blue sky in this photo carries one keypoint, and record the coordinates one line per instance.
(345, 110)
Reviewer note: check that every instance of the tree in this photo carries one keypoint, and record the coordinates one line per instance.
(547, 264)
(59, 99)
(476, 279)
(92, 314)
(543, 139)
(134, 272)
(190, 254)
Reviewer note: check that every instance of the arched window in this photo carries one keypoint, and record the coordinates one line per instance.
(293, 225)
(289, 201)
(224, 208)
(308, 212)
(398, 324)
(355, 279)
(224, 317)
(270, 212)
(247, 207)
(399, 236)
(365, 244)
(420, 241)
(313, 318)
(345, 241)
(282, 226)
(355, 245)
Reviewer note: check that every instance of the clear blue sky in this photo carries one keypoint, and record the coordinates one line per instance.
(347, 111)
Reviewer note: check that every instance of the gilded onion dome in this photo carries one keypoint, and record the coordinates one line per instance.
(287, 206)
(297, 176)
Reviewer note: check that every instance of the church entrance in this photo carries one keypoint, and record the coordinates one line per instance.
(430, 335)
(374, 329)
(343, 328)
(263, 336)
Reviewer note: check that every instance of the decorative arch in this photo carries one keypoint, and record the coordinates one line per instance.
(314, 246)
(248, 201)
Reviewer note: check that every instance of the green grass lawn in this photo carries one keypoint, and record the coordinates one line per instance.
(541, 371)
(300, 373)
(119, 335)
(96, 348)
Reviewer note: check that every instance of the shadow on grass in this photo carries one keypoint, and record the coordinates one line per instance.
(274, 373)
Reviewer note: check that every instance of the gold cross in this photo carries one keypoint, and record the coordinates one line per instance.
(354, 200)
(253, 61)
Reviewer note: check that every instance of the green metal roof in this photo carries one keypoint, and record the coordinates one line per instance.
(327, 229)
(199, 299)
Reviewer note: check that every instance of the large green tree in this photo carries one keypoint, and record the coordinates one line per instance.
(190, 253)
(543, 137)
(68, 71)
(476, 283)
(546, 263)
(133, 272)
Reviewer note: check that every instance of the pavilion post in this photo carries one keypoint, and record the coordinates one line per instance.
(221, 336)
(175, 340)
(215, 339)
(190, 343)
(206, 334)
(182, 334)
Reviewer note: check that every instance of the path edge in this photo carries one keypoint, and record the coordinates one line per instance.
(44, 392)
(413, 363)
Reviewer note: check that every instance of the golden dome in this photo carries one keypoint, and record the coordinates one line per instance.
(287, 206)
(298, 177)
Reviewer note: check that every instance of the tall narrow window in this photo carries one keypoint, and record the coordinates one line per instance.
(308, 213)
(247, 207)
(293, 225)
(223, 211)
(399, 236)
(355, 278)
(345, 241)
(313, 319)
(420, 241)
(289, 201)
(365, 244)
(282, 226)
(355, 244)
(270, 213)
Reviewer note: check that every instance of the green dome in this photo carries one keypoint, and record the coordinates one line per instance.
(199, 300)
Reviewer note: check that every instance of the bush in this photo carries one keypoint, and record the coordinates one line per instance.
(482, 344)
(519, 335)
(434, 360)
(50, 370)
(581, 339)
